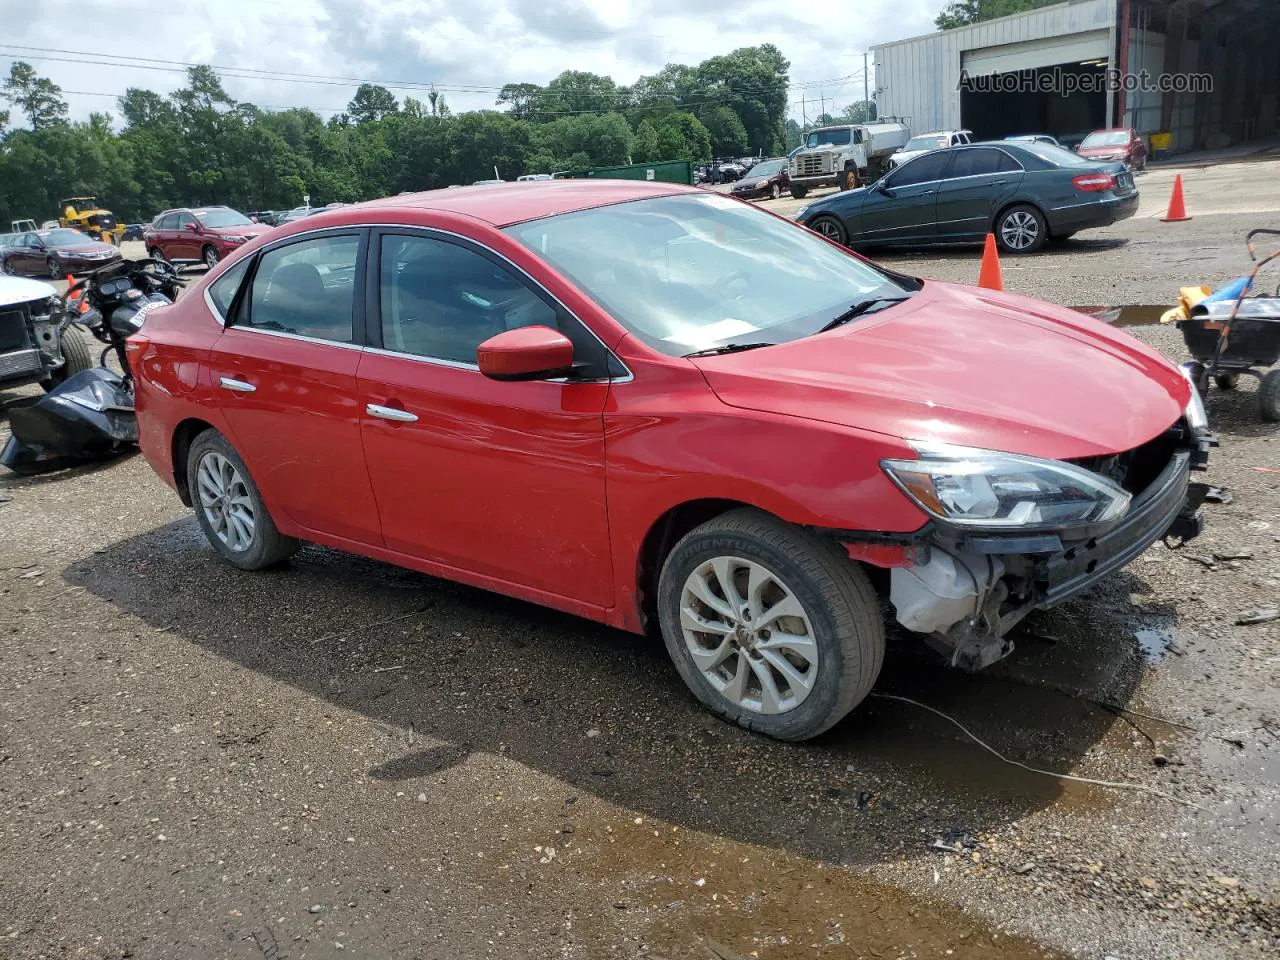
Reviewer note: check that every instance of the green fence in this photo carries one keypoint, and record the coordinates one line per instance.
(665, 171)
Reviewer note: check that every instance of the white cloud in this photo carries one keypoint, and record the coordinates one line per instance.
(468, 48)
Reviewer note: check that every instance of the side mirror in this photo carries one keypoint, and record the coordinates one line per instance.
(193, 227)
(528, 353)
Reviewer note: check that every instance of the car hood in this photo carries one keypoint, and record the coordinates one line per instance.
(1100, 152)
(248, 230)
(85, 249)
(19, 290)
(902, 156)
(971, 367)
(750, 183)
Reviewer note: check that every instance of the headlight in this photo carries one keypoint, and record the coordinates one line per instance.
(802, 211)
(1197, 419)
(986, 488)
(236, 239)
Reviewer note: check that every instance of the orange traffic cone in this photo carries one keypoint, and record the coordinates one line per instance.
(1177, 209)
(989, 275)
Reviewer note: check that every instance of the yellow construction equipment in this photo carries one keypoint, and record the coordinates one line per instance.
(84, 214)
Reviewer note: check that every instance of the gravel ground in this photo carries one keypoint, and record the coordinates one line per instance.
(341, 758)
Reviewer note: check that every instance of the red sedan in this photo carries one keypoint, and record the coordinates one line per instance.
(656, 406)
(1115, 144)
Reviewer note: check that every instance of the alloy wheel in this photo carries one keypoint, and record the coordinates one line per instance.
(828, 228)
(54, 268)
(210, 257)
(749, 635)
(7, 269)
(1019, 230)
(775, 191)
(226, 501)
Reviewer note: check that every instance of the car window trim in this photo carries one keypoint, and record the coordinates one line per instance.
(949, 162)
(970, 176)
(373, 306)
(236, 313)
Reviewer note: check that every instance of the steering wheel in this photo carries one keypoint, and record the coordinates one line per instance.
(723, 285)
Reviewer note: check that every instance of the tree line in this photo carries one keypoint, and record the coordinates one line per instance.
(198, 145)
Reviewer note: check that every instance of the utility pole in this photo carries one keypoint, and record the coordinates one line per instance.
(866, 94)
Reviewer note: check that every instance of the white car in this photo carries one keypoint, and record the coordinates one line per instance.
(925, 142)
(37, 348)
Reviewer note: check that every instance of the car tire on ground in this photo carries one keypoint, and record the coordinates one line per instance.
(771, 626)
(210, 257)
(53, 269)
(1269, 397)
(1021, 229)
(799, 193)
(229, 508)
(848, 179)
(155, 254)
(775, 191)
(1227, 381)
(831, 228)
(77, 357)
(6, 269)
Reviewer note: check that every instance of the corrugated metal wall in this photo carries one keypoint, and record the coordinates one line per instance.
(917, 78)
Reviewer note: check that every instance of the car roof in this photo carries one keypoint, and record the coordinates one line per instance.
(503, 204)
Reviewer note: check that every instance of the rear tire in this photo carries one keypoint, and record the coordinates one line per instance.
(1021, 229)
(1269, 397)
(835, 629)
(831, 228)
(229, 508)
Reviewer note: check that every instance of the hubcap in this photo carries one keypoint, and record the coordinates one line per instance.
(749, 635)
(1019, 230)
(210, 259)
(225, 499)
(828, 229)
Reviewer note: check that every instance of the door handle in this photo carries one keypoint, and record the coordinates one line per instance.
(996, 183)
(390, 413)
(236, 386)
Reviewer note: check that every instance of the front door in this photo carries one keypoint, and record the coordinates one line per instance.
(284, 372)
(980, 181)
(505, 480)
(183, 240)
(901, 206)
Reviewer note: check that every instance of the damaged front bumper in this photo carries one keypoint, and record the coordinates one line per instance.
(966, 590)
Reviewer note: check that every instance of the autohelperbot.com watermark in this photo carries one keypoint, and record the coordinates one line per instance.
(1067, 82)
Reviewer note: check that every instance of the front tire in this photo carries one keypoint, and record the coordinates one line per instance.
(53, 269)
(1021, 229)
(770, 626)
(799, 193)
(775, 191)
(210, 257)
(229, 508)
(848, 180)
(76, 358)
(831, 228)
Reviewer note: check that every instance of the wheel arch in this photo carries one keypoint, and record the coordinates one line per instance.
(1018, 202)
(663, 534)
(184, 435)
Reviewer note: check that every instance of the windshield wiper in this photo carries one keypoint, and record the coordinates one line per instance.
(727, 348)
(858, 309)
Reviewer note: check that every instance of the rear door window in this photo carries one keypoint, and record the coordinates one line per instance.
(975, 163)
(307, 288)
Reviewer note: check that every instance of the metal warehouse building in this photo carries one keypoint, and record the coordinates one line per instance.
(1015, 70)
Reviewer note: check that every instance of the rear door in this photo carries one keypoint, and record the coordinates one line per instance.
(905, 212)
(284, 372)
(504, 480)
(980, 181)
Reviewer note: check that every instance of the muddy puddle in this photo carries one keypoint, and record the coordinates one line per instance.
(691, 896)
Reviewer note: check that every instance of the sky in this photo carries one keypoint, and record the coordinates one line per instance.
(466, 48)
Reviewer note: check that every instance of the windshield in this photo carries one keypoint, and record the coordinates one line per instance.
(766, 169)
(932, 142)
(63, 238)
(836, 137)
(1107, 138)
(223, 218)
(694, 272)
(1058, 156)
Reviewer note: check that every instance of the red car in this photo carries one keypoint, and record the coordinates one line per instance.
(199, 235)
(1115, 144)
(608, 398)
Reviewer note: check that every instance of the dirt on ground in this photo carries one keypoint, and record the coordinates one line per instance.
(340, 758)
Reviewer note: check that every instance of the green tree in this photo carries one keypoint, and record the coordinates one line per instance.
(371, 103)
(38, 97)
(860, 111)
(753, 82)
(577, 91)
(961, 13)
(728, 135)
(521, 99)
